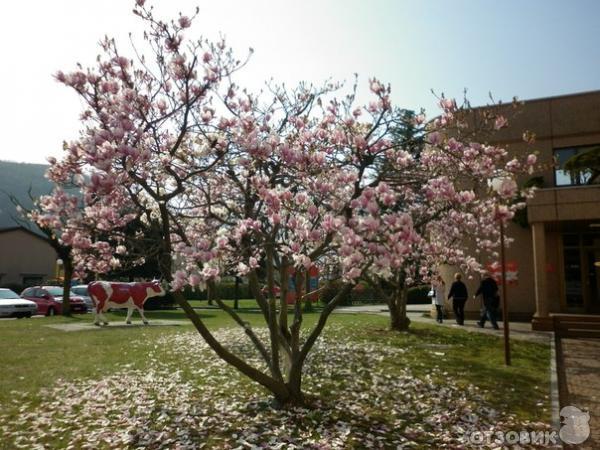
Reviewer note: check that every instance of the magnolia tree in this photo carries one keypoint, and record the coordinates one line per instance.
(292, 192)
(446, 187)
(231, 183)
(82, 233)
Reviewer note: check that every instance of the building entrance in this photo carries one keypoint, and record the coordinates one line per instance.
(592, 284)
(581, 273)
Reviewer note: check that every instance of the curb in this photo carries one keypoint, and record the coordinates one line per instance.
(554, 397)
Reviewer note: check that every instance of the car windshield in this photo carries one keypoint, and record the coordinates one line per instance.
(55, 290)
(7, 294)
(82, 290)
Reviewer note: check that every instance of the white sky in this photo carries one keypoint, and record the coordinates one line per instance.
(530, 49)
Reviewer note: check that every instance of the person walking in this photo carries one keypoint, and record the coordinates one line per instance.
(488, 289)
(459, 295)
(438, 286)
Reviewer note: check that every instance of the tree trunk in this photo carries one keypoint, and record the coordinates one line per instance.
(299, 358)
(294, 385)
(274, 331)
(210, 287)
(282, 392)
(237, 293)
(397, 305)
(396, 301)
(68, 275)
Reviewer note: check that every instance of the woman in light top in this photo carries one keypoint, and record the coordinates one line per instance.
(439, 287)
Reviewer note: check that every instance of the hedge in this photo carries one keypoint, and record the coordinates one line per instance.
(363, 294)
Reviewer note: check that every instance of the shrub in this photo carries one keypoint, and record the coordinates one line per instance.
(418, 295)
(225, 291)
(331, 291)
(365, 294)
(164, 302)
(308, 306)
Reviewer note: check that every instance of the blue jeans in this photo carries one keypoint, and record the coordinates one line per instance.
(488, 313)
(440, 313)
(458, 304)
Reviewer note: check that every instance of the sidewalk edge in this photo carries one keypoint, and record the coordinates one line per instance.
(554, 397)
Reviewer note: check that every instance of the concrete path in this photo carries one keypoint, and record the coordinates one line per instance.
(89, 326)
(380, 309)
(518, 330)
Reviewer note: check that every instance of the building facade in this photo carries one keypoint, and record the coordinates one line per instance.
(26, 259)
(554, 260)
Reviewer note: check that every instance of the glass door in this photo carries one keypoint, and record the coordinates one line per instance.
(574, 293)
(592, 281)
(581, 265)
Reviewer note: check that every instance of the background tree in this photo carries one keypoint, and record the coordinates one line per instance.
(445, 180)
(33, 215)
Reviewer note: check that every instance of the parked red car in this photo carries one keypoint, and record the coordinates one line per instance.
(49, 300)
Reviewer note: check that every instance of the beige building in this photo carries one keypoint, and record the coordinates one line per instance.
(557, 254)
(26, 259)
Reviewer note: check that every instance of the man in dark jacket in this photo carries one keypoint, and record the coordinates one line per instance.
(488, 289)
(459, 295)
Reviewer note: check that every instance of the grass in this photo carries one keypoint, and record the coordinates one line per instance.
(244, 303)
(34, 356)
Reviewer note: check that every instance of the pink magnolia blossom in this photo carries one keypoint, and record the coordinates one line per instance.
(500, 122)
(184, 22)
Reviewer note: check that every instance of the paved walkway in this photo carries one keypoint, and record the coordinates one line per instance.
(89, 326)
(518, 330)
(381, 308)
(581, 365)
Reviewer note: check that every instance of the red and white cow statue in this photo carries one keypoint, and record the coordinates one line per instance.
(107, 294)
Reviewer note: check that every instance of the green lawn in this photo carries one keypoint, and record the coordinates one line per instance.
(34, 356)
(244, 303)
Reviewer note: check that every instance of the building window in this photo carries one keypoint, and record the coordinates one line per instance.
(32, 280)
(573, 284)
(587, 170)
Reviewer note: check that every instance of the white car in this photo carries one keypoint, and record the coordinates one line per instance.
(11, 305)
(81, 291)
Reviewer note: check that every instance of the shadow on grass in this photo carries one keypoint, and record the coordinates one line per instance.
(301, 424)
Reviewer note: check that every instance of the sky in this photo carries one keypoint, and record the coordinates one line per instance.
(525, 48)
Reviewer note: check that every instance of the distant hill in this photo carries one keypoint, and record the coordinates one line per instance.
(17, 179)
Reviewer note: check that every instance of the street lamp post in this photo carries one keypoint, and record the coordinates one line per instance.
(496, 185)
(504, 300)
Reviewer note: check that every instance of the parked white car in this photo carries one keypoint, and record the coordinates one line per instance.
(11, 305)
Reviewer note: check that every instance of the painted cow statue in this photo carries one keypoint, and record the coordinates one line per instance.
(107, 294)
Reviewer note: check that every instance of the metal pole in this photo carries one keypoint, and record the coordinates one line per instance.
(504, 301)
(236, 293)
